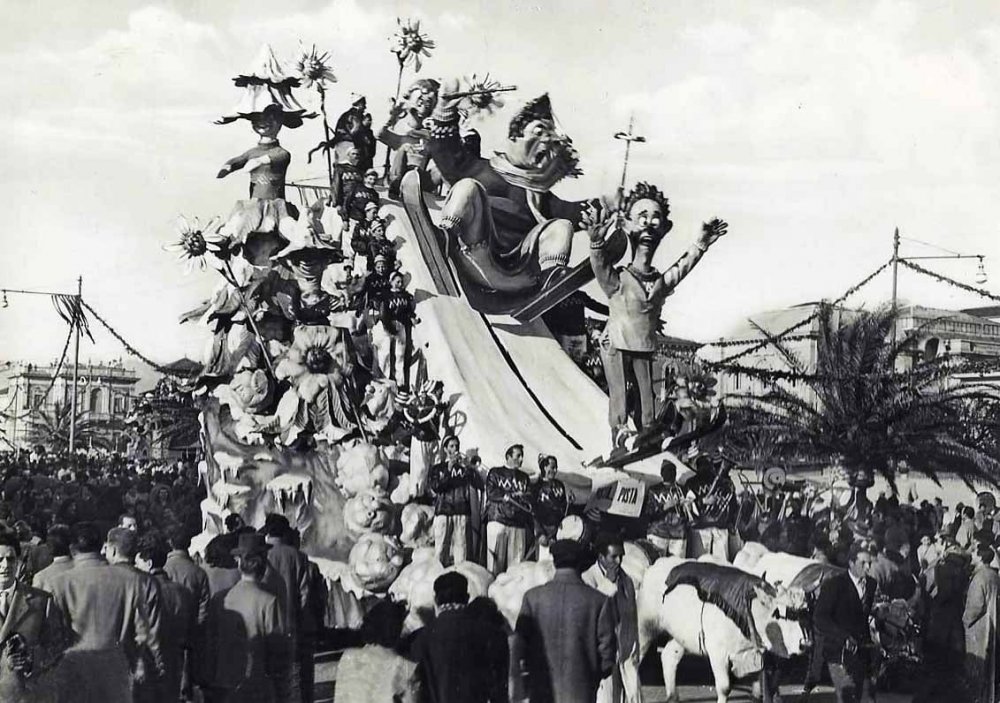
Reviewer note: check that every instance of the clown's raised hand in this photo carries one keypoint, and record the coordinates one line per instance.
(599, 217)
(711, 232)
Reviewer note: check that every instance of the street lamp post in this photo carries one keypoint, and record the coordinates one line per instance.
(896, 258)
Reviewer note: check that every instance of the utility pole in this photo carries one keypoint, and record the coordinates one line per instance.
(895, 278)
(17, 390)
(77, 314)
(628, 138)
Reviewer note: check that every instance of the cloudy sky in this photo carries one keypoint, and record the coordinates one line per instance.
(813, 128)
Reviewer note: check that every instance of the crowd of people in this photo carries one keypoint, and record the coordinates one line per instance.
(104, 544)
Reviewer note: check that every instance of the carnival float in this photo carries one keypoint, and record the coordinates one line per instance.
(299, 417)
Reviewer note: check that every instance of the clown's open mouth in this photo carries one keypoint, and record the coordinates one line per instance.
(541, 156)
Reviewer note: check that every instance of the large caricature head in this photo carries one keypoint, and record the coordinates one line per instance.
(421, 98)
(267, 123)
(647, 216)
(538, 147)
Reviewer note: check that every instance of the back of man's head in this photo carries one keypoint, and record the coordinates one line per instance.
(86, 538)
(451, 588)
(986, 553)
(233, 522)
(124, 542)
(567, 554)
(59, 537)
(153, 553)
(253, 565)
(179, 538)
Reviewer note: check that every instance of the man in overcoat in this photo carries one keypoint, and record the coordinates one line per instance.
(980, 621)
(566, 632)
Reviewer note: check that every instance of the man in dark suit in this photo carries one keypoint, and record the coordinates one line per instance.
(460, 659)
(33, 633)
(567, 633)
(841, 624)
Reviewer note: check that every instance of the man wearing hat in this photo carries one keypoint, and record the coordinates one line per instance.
(349, 122)
(362, 195)
(460, 659)
(391, 336)
(567, 633)
(374, 285)
(248, 652)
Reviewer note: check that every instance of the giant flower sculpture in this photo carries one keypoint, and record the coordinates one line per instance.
(409, 44)
(317, 365)
(484, 98)
(196, 242)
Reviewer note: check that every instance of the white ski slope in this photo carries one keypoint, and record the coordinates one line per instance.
(512, 382)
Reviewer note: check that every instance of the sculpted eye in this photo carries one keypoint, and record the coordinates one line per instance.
(538, 131)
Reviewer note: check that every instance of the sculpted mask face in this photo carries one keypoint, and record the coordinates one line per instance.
(421, 102)
(647, 223)
(542, 150)
(268, 124)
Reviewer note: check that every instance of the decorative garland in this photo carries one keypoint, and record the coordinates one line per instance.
(756, 340)
(130, 349)
(722, 364)
(944, 279)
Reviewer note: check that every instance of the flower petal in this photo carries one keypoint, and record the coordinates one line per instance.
(310, 385)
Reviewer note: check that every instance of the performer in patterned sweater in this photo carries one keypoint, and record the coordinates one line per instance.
(551, 500)
(450, 482)
(664, 513)
(508, 512)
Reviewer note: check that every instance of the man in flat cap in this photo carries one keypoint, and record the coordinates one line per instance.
(460, 658)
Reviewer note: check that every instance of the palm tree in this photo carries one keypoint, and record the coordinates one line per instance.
(50, 428)
(863, 413)
(166, 416)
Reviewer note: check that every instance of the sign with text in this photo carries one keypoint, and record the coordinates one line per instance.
(623, 497)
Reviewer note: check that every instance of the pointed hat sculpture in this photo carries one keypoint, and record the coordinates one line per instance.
(266, 86)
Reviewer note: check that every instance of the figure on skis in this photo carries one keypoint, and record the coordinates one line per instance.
(510, 232)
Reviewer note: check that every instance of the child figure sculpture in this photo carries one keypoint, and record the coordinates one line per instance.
(269, 105)
(257, 222)
(636, 294)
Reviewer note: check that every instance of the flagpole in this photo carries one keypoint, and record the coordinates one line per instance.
(77, 314)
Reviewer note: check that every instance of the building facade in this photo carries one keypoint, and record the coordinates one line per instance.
(105, 394)
(933, 332)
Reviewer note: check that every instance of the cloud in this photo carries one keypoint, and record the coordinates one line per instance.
(806, 86)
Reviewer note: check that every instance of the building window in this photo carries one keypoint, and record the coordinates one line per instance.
(119, 404)
(95, 400)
